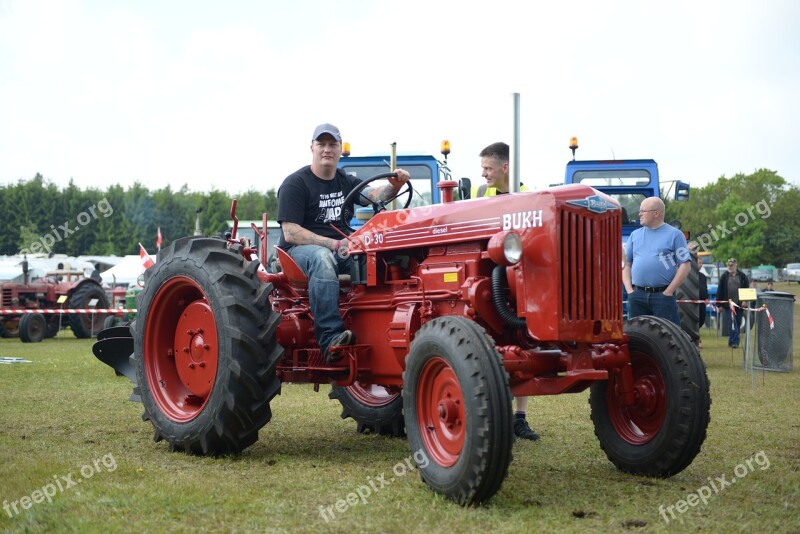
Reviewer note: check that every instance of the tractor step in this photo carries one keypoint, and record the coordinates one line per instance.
(308, 365)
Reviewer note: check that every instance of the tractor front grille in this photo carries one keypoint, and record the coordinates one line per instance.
(6, 298)
(591, 268)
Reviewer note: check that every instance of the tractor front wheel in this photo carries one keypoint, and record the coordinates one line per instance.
(205, 349)
(374, 409)
(32, 328)
(457, 408)
(662, 431)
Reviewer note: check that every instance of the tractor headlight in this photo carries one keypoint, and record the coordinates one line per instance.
(505, 248)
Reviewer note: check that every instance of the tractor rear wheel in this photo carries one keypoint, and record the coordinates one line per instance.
(457, 408)
(205, 348)
(661, 433)
(32, 328)
(374, 409)
(85, 325)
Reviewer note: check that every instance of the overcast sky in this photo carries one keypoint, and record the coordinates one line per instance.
(226, 94)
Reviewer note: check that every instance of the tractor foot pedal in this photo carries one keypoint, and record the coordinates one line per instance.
(339, 345)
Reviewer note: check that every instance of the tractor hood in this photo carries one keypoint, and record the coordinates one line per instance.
(571, 253)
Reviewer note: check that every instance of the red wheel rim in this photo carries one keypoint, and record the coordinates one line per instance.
(440, 412)
(639, 423)
(181, 349)
(371, 394)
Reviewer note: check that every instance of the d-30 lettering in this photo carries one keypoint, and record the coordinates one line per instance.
(522, 219)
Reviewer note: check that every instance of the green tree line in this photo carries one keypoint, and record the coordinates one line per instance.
(37, 216)
(753, 218)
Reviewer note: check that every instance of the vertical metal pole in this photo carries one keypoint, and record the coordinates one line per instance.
(392, 167)
(513, 187)
(748, 362)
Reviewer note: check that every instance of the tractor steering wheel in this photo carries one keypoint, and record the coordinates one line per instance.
(377, 207)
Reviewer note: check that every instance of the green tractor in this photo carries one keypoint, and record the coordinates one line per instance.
(125, 300)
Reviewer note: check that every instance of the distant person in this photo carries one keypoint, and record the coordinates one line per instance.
(729, 284)
(657, 262)
(494, 163)
(769, 286)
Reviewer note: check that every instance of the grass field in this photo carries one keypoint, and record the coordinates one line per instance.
(75, 456)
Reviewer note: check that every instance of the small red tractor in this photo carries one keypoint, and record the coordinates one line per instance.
(455, 306)
(65, 289)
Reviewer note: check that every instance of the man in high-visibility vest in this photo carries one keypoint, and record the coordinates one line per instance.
(494, 163)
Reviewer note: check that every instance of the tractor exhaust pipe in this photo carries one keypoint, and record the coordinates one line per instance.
(499, 286)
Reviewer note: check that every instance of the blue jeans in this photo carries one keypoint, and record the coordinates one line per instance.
(643, 303)
(736, 321)
(322, 267)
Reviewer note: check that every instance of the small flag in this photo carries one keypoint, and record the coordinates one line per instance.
(147, 261)
(159, 240)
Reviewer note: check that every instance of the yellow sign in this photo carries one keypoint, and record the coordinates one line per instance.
(451, 277)
(747, 293)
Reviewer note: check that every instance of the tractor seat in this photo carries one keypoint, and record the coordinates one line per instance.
(295, 274)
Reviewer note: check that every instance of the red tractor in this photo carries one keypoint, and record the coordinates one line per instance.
(456, 307)
(65, 289)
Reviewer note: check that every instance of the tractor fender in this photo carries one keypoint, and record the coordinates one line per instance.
(405, 323)
(85, 281)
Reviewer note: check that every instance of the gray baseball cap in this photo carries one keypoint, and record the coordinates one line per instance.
(327, 129)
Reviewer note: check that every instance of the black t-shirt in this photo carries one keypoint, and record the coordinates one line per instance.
(314, 203)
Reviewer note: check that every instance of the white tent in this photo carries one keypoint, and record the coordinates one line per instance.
(125, 272)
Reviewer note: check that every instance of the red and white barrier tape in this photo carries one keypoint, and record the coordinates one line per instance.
(763, 308)
(732, 306)
(59, 310)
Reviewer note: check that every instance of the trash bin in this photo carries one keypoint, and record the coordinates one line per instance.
(774, 345)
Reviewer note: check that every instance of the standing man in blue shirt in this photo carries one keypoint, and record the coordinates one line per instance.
(657, 263)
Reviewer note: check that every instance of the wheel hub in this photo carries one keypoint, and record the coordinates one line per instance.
(647, 401)
(448, 412)
(441, 415)
(640, 422)
(194, 354)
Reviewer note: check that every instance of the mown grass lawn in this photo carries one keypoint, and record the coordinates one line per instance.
(67, 429)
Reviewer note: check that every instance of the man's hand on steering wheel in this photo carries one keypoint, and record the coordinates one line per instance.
(396, 180)
(402, 177)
